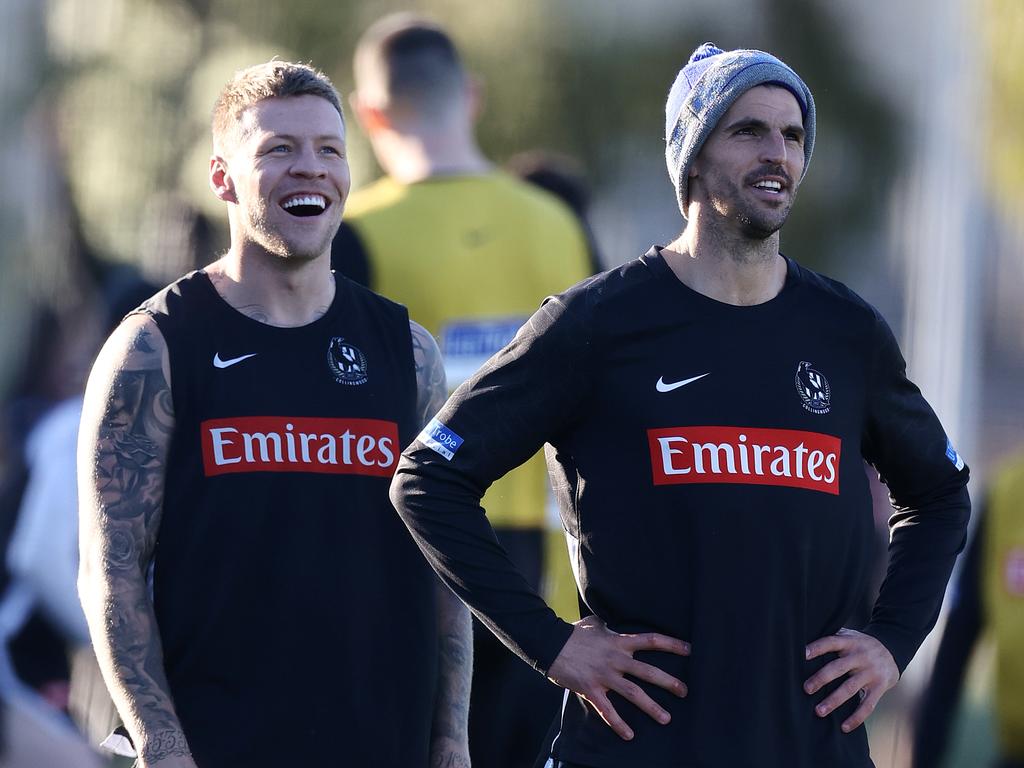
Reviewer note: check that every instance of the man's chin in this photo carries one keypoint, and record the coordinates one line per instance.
(301, 252)
(758, 226)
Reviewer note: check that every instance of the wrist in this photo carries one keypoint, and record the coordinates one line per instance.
(164, 749)
(446, 752)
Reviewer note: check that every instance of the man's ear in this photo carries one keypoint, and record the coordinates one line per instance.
(371, 119)
(221, 183)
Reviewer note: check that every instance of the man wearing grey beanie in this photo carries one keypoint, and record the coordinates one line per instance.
(707, 409)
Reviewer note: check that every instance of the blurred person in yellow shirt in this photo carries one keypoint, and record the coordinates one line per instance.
(471, 251)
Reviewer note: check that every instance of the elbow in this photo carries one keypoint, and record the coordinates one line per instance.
(402, 488)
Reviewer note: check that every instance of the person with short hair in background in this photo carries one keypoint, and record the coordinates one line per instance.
(471, 251)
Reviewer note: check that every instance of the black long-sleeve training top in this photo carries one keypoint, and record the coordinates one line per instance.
(708, 462)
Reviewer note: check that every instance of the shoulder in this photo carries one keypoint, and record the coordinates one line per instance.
(136, 345)
(359, 294)
(172, 299)
(837, 298)
(611, 291)
(591, 308)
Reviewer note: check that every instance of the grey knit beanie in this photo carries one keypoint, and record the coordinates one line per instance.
(705, 89)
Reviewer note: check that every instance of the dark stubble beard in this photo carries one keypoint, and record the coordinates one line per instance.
(756, 222)
(273, 242)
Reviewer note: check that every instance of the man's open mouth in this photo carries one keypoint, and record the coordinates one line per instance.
(305, 205)
(769, 186)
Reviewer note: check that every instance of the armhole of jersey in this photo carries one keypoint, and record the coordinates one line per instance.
(350, 258)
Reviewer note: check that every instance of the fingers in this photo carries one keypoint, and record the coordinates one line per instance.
(831, 671)
(836, 643)
(596, 660)
(870, 668)
(635, 695)
(842, 694)
(867, 706)
(652, 641)
(655, 676)
(603, 707)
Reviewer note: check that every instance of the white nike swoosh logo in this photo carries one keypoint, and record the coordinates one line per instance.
(218, 363)
(661, 386)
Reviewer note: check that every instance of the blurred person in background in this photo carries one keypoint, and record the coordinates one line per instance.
(251, 596)
(40, 616)
(706, 411)
(988, 598)
(471, 251)
(31, 738)
(563, 177)
(42, 554)
(40, 612)
(52, 371)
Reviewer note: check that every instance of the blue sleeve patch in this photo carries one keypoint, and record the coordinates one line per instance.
(441, 439)
(953, 456)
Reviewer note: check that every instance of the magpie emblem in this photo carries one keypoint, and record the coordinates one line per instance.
(812, 386)
(347, 362)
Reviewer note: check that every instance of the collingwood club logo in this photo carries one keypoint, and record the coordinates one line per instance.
(815, 393)
(346, 361)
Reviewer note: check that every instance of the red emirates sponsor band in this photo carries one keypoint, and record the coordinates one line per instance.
(747, 456)
(286, 444)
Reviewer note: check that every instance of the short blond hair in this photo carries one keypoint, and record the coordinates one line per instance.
(270, 80)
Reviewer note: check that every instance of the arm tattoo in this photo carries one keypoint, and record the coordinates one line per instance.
(431, 385)
(450, 731)
(127, 421)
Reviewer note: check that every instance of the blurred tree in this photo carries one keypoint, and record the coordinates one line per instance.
(585, 78)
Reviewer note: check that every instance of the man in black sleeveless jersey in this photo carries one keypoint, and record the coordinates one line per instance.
(707, 410)
(239, 435)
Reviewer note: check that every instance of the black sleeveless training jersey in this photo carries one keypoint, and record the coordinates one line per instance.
(297, 616)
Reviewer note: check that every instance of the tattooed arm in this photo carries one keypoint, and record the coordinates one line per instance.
(449, 743)
(123, 442)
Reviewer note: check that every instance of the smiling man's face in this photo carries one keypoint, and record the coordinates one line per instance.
(749, 168)
(287, 173)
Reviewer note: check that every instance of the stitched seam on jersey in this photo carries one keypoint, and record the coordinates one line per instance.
(576, 513)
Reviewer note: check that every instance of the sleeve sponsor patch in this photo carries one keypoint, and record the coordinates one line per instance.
(953, 456)
(441, 439)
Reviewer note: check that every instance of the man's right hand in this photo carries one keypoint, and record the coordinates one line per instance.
(596, 660)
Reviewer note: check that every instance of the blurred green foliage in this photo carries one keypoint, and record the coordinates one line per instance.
(137, 77)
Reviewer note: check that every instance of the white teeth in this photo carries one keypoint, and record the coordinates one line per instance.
(317, 200)
(774, 186)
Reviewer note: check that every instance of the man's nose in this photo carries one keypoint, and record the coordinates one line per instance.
(308, 164)
(773, 148)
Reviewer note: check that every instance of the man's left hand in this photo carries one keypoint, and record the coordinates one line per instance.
(868, 665)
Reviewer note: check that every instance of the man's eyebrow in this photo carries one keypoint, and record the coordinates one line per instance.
(753, 122)
(290, 137)
(747, 122)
